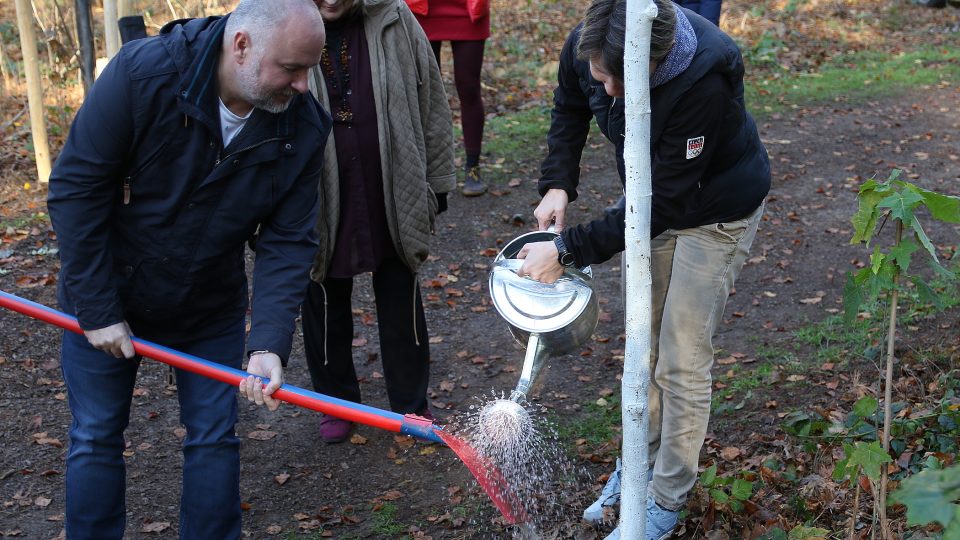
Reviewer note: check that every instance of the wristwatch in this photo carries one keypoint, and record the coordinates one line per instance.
(564, 256)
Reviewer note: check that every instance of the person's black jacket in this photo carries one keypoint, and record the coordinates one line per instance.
(726, 180)
(708, 9)
(151, 213)
(577, 98)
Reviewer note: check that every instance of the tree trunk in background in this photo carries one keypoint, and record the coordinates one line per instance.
(3, 68)
(636, 364)
(110, 29)
(124, 8)
(88, 52)
(31, 64)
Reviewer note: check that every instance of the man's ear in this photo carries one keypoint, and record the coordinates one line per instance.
(241, 46)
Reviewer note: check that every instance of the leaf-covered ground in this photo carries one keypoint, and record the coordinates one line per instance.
(787, 375)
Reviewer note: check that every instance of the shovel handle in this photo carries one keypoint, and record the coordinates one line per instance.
(347, 410)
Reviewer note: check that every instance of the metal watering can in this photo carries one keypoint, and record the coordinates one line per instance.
(548, 319)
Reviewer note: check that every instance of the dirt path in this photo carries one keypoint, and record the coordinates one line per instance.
(295, 486)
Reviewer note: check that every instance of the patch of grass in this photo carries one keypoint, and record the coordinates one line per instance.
(512, 136)
(385, 520)
(737, 381)
(776, 354)
(25, 221)
(597, 426)
(513, 144)
(832, 340)
(858, 76)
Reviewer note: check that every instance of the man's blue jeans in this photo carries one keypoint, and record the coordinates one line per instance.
(100, 388)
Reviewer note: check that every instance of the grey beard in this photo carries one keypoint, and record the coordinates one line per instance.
(271, 105)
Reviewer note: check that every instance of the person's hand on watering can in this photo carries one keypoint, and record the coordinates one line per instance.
(540, 262)
(552, 209)
(113, 339)
(263, 364)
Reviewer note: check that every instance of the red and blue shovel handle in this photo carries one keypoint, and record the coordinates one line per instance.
(355, 412)
(489, 477)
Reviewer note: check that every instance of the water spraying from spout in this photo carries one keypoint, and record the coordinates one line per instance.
(505, 420)
(523, 445)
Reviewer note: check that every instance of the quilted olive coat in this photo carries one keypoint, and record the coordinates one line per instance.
(415, 135)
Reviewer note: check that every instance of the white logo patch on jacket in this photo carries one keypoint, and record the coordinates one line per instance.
(694, 147)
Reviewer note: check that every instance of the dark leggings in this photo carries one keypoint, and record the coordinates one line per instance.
(467, 61)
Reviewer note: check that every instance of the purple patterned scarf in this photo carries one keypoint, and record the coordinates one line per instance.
(680, 55)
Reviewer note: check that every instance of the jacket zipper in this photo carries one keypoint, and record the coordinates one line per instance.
(613, 103)
(244, 149)
(127, 180)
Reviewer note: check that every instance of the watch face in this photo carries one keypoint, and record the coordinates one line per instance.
(566, 259)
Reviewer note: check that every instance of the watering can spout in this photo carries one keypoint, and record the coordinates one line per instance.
(533, 361)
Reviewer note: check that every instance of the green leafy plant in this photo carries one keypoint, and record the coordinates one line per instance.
(861, 457)
(888, 271)
(726, 490)
(932, 496)
(900, 201)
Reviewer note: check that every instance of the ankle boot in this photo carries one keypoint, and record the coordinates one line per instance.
(473, 185)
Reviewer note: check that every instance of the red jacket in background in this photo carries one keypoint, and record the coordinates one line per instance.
(453, 20)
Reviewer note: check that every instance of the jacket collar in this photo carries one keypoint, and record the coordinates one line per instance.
(381, 12)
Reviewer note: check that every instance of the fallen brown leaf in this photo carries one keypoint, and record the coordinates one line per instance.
(155, 527)
(358, 439)
(730, 453)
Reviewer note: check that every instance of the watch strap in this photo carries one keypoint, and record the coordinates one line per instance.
(564, 256)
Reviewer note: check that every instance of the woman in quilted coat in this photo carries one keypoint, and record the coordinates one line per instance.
(386, 174)
(466, 25)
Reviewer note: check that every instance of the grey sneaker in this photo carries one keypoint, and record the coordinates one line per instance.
(609, 496)
(660, 521)
(473, 185)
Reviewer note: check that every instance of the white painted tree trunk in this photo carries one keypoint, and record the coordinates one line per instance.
(636, 365)
(111, 29)
(31, 64)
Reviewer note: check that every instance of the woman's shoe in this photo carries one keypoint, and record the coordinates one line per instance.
(334, 430)
(473, 185)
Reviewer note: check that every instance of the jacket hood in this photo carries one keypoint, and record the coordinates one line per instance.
(184, 38)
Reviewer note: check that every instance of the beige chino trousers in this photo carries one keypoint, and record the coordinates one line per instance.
(694, 271)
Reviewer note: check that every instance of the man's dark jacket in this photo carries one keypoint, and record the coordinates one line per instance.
(726, 181)
(152, 213)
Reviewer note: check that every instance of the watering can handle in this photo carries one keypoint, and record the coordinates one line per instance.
(514, 265)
